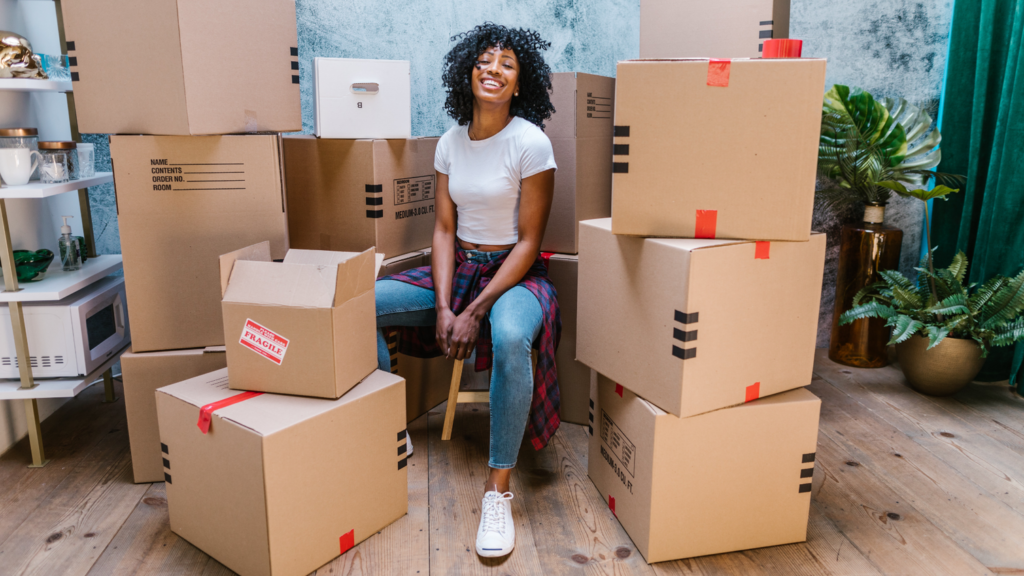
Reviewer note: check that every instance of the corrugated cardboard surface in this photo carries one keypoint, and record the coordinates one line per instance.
(354, 194)
(321, 302)
(142, 375)
(580, 133)
(722, 29)
(728, 480)
(755, 320)
(573, 377)
(173, 231)
(748, 151)
(427, 380)
(278, 480)
(183, 67)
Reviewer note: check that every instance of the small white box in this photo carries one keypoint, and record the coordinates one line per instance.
(362, 98)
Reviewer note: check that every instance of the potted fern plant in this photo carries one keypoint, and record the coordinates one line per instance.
(941, 327)
(866, 142)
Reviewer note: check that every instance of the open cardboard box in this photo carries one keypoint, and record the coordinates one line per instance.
(698, 325)
(732, 479)
(304, 326)
(720, 29)
(270, 484)
(354, 194)
(716, 150)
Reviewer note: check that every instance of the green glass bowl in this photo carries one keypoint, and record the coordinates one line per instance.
(31, 266)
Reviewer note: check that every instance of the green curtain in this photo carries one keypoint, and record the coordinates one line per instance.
(982, 123)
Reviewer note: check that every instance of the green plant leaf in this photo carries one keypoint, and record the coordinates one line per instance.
(904, 328)
(1006, 304)
(982, 296)
(871, 309)
(938, 191)
(1010, 333)
(936, 334)
(903, 291)
(954, 304)
(958, 268)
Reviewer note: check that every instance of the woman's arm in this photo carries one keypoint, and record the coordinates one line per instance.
(534, 209)
(442, 260)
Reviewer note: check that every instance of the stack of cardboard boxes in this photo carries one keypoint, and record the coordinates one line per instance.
(259, 465)
(698, 304)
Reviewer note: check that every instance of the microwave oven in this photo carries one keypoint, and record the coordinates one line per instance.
(69, 337)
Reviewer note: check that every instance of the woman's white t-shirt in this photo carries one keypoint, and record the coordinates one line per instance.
(485, 177)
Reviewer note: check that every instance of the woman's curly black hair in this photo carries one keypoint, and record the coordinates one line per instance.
(533, 102)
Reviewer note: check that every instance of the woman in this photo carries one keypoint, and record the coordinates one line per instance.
(486, 288)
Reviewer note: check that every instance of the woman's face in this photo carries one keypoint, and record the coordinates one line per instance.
(496, 76)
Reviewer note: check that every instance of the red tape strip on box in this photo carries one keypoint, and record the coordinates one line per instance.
(206, 412)
(618, 390)
(761, 250)
(718, 72)
(546, 258)
(347, 540)
(611, 504)
(753, 392)
(707, 222)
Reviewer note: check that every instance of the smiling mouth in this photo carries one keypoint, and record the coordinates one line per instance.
(490, 84)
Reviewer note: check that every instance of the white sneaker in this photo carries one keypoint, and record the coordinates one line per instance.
(497, 534)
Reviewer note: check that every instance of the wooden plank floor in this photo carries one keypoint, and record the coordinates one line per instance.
(904, 484)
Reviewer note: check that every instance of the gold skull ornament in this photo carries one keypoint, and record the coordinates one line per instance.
(16, 58)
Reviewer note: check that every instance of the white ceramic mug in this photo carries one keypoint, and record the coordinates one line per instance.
(18, 164)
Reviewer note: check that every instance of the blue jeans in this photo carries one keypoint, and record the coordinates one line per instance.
(516, 320)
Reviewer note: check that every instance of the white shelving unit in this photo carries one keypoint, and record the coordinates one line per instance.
(56, 387)
(40, 190)
(57, 283)
(34, 85)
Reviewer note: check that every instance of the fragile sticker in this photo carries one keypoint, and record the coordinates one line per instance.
(264, 341)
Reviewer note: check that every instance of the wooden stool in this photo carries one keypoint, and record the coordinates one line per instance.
(456, 396)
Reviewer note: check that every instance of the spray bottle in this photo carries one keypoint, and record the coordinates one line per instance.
(70, 251)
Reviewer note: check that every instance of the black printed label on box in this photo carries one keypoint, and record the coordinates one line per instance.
(618, 445)
(415, 189)
(598, 106)
(191, 176)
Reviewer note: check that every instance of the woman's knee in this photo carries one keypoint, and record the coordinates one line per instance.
(511, 339)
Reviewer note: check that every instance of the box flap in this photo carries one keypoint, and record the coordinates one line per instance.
(357, 276)
(257, 252)
(267, 413)
(280, 284)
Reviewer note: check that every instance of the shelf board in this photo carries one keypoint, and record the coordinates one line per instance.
(56, 387)
(34, 85)
(40, 190)
(59, 284)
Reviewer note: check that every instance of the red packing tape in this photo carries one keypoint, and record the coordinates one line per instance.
(718, 72)
(707, 221)
(762, 250)
(618, 390)
(347, 540)
(206, 412)
(753, 392)
(546, 258)
(611, 504)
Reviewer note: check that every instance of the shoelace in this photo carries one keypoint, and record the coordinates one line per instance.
(494, 512)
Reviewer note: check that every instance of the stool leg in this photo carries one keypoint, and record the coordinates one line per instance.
(453, 400)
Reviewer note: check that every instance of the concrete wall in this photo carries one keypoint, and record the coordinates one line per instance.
(895, 47)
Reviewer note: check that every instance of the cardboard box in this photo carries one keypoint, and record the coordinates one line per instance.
(354, 194)
(573, 377)
(698, 325)
(184, 67)
(142, 375)
(581, 137)
(695, 159)
(722, 29)
(728, 480)
(362, 98)
(279, 485)
(174, 225)
(305, 326)
(427, 380)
